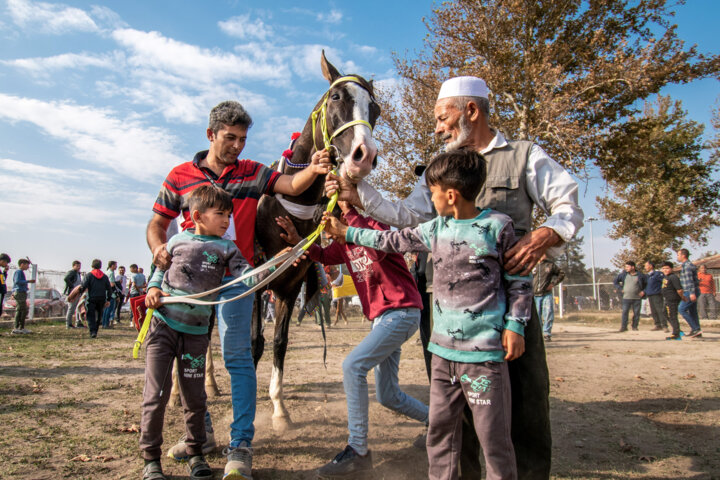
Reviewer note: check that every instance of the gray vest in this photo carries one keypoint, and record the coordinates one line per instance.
(505, 188)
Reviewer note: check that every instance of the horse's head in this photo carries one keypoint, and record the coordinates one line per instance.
(351, 114)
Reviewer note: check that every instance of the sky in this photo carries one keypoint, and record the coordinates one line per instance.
(98, 103)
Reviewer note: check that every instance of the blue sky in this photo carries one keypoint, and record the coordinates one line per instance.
(97, 102)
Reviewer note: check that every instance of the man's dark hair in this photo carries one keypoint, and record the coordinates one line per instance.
(112, 263)
(228, 113)
(96, 264)
(5, 256)
(631, 263)
(76, 262)
(667, 264)
(23, 261)
(133, 265)
(209, 196)
(652, 264)
(463, 170)
(685, 252)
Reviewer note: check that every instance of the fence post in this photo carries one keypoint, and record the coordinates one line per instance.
(31, 299)
(561, 300)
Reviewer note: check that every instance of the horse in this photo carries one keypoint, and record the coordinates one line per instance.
(350, 114)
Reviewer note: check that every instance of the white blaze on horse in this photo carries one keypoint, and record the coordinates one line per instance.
(343, 119)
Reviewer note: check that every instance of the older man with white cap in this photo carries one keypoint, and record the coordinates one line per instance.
(519, 175)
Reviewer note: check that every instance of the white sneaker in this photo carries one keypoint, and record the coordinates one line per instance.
(16, 331)
(178, 451)
(239, 462)
(25, 330)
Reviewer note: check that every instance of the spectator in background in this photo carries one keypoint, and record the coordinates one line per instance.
(545, 276)
(4, 261)
(631, 284)
(72, 279)
(20, 289)
(691, 289)
(672, 294)
(121, 291)
(99, 291)
(136, 282)
(108, 313)
(422, 272)
(654, 295)
(706, 301)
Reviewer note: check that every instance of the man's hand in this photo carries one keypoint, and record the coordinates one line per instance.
(161, 257)
(291, 234)
(320, 163)
(347, 191)
(693, 297)
(152, 299)
(528, 251)
(513, 344)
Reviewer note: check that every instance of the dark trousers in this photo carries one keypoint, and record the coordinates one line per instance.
(2, 302)
(485, 389)
(94, 310)
(627, 305)
(530, 391)
(21, 309)
(426, 329)
(163, 346)
(118, 305)
(657, 310)
(671, 309)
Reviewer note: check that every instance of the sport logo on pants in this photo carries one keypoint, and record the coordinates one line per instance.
(480, 384)
(195, 364)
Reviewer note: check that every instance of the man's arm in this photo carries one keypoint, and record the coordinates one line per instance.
(555, 192)
(157, 239)
(415, 209)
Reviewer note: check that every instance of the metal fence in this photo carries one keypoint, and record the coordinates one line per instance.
(43, 279)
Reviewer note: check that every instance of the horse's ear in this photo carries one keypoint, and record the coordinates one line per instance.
(328, 69)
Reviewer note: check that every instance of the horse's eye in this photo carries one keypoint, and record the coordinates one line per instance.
(335, 96)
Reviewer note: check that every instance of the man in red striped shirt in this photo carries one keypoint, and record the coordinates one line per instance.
(246, 181)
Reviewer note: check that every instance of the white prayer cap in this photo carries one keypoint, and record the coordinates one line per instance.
(463, 87)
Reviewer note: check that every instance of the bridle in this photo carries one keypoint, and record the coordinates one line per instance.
(322, 113)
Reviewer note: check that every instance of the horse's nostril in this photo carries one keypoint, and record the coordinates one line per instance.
(358, 153)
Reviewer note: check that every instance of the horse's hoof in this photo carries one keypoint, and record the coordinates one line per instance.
(281, 424)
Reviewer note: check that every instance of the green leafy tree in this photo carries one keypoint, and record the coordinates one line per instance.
(561, 73)
(663, 193)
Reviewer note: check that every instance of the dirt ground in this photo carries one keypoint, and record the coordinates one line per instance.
(628, 405)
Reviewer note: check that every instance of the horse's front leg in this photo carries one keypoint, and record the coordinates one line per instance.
(175, 392)
(281, 417)
(257, 340)
(211, 387)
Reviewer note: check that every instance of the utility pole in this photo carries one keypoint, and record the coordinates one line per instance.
(590, 220)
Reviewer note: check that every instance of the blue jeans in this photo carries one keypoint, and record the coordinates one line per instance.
(108, 313)
(627, 304)
(544, 306)
(689, 312)
(380, 349)
(234, 326)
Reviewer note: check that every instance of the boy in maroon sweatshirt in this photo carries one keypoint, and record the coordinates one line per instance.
(390, 298)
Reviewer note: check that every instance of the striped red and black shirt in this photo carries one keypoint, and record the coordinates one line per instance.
(246, 181)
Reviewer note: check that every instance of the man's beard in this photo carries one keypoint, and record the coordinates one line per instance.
(462, 138)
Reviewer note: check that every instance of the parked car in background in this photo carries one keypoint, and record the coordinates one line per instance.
(48, 303)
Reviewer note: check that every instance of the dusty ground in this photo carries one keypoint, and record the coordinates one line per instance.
(623, 406)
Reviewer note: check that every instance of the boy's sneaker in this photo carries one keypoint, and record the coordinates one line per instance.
(16, 331)
(346, 464)
(199, 468)
(25, 330)
(695, 333)
(674, 337)
(547, 338)
(239, 462)
(178, 452)
(153, 471)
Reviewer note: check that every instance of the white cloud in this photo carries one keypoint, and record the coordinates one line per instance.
(333, 16)
(99, 136)
(274, 135)
(49, 18)
(44, 66)
(157, 53)
(242, 27)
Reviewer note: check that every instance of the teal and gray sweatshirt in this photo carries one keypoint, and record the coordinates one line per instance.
(198, 264)
(474, 299)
